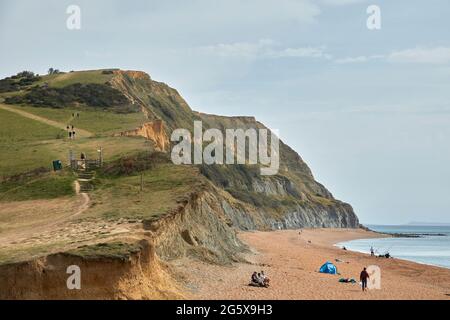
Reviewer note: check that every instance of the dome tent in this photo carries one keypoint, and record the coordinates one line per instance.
(328, 267)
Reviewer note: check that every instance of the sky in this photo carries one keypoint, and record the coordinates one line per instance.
(368, 110)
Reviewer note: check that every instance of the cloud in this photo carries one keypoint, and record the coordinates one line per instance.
(341, 2)
(359, 59)
(267, 48)
(237, 49)
(438, 55)
(264, 48)
(304, 52)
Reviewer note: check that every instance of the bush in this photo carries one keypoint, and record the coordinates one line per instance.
(92, 94)
(18, 82)
(135, 164)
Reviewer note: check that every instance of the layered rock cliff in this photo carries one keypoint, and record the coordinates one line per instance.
(290, 199)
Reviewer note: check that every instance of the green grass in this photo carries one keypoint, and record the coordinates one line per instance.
(95, 121)
(24, 157)
(21, 146)
(65, 79)
(14, 255)
(115, 250)
(21, 157)
(27, 144)
(49, 186)
(17, 129)
(163, 186)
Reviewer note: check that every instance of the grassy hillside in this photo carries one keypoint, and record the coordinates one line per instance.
(119, 195)
(97, 122)
(23, 143)
(17, 129)
(26, 144)
(48, 186)
(62, 90)
(69, 78)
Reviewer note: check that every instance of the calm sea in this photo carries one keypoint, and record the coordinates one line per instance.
(432, 247)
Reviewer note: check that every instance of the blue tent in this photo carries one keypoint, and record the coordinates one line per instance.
(328, 267)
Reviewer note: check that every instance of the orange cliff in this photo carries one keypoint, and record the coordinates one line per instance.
(153, 130)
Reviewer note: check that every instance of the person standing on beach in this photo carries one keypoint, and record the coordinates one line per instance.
(372, 253)
(364, 276)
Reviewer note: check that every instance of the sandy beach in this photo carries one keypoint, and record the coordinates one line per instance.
(292, 259)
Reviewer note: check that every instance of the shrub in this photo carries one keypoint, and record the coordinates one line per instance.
(18, 82)
(91, 94)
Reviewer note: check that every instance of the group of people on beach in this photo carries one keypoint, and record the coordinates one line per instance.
(259, 279)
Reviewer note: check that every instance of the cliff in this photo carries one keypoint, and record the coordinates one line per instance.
(290, 199)
(183, 210)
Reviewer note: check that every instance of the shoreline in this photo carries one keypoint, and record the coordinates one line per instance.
(402, 259)
(341, 243)
(291, 259)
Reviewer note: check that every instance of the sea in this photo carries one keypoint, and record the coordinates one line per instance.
(431, 244)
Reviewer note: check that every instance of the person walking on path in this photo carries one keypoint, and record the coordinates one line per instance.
(364, 276)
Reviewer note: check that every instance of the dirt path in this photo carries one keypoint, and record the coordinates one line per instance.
(85, 204)
(59, 125)
(32, 230)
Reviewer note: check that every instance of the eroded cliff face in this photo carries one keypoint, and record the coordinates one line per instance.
(154, 131)
(198, 227)
(139, 275)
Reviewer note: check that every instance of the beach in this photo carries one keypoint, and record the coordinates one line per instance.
(292, 258)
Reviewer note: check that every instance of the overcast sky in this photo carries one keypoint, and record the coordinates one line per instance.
(368, 110)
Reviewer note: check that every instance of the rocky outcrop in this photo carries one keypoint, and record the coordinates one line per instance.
(317, 216)
(199, 227)
(153, 130)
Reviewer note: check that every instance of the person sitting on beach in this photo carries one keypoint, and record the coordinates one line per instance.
(265, 279)
(260, 279)
(254, 280)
